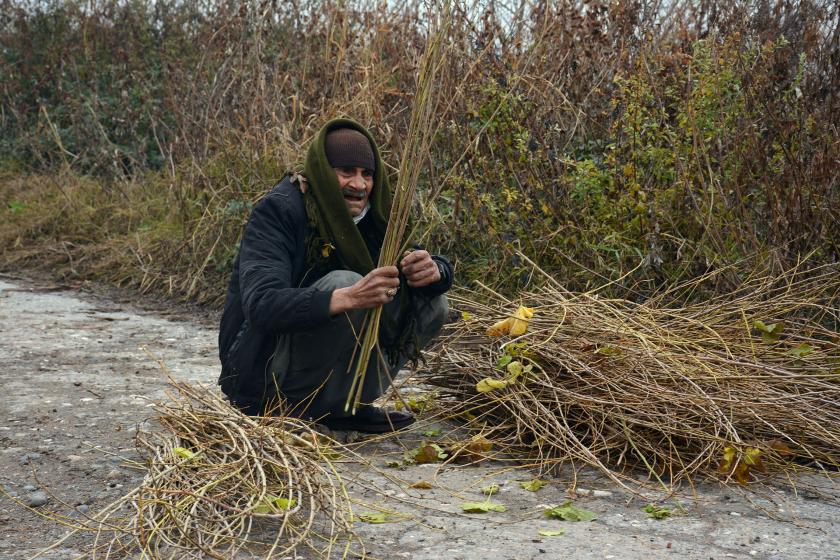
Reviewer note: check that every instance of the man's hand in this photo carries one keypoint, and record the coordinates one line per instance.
(377, 288)
(419, 268)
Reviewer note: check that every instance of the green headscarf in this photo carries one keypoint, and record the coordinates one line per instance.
(333, 220)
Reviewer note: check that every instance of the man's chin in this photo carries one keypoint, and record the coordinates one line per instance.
(355, 209)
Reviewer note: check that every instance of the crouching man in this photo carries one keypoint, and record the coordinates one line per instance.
(303, 279)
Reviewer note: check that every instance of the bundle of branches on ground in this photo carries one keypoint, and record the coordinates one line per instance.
(218, 482)
(737, 387)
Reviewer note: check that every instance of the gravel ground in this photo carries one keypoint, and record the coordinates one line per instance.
(81, 369)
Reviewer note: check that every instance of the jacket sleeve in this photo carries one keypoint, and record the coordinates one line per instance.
(268, 252)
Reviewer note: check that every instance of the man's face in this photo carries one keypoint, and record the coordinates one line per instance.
(355, 184)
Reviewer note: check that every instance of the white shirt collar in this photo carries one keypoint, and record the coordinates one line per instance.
(357, 219)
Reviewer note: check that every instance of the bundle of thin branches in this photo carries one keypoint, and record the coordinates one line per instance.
(735, 387)
(218, 482)
(415, 151)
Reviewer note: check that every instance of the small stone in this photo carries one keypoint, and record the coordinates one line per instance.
(37, 499)
(30, 457)
(84, 508)
(29, 488)
(75, 458)
(115, 474)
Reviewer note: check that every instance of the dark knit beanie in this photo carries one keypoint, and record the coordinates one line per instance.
(346, 147)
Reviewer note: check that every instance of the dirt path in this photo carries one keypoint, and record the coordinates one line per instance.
(78, 373)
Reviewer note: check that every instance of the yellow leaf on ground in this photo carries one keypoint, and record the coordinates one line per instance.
(516, 325)
(500, 328)
(489, 384)
(727, 461)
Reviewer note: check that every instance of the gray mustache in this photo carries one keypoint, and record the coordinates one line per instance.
(353, 193)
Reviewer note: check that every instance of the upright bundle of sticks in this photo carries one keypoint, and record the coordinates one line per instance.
(415, 151)
(734, 387)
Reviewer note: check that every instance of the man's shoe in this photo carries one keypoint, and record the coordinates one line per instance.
(371, 420)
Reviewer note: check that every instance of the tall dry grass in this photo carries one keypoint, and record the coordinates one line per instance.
(593, 136)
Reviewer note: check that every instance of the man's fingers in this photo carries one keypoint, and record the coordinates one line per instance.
(416, 268)
(414, 256)
(423, 273)
(422, 278)
(386, 271)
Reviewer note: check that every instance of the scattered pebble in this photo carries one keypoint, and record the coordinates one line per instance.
(115, 474)
(593, 493)
(29, 488)
(37, 499)
(29, 457)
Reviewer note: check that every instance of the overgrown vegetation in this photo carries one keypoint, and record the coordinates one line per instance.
(626, 140)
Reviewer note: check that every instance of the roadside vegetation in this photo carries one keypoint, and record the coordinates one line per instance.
(625, 141)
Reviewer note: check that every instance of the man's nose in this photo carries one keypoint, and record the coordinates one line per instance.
(357, 181)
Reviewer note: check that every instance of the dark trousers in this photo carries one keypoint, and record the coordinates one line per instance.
(311, 367)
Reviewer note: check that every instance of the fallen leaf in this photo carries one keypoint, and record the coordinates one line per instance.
(568, 512)
(275, 504)
(520, 321)
(752, 458)
(183, 452)
(489, 384)
(608, 351)
(474, 449)
(769, 333)
(727, 461)
(740, 468)
(416, 404)
(421, 485)
(516, 325)
(533, 485)
(466, 315)
(503, 361)
(432, 433)
(394, 464)
(500, 328)
(552, 533)
(780, 447)
(490, 490)
(373, 518)
(429, 453)
(801, 351)
(656, 512)
(482, 507)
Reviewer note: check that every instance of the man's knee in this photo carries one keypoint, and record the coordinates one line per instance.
(433, 316)
(337, 279)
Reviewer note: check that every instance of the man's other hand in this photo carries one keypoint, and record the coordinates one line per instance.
(419, 268)
(378, 287)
